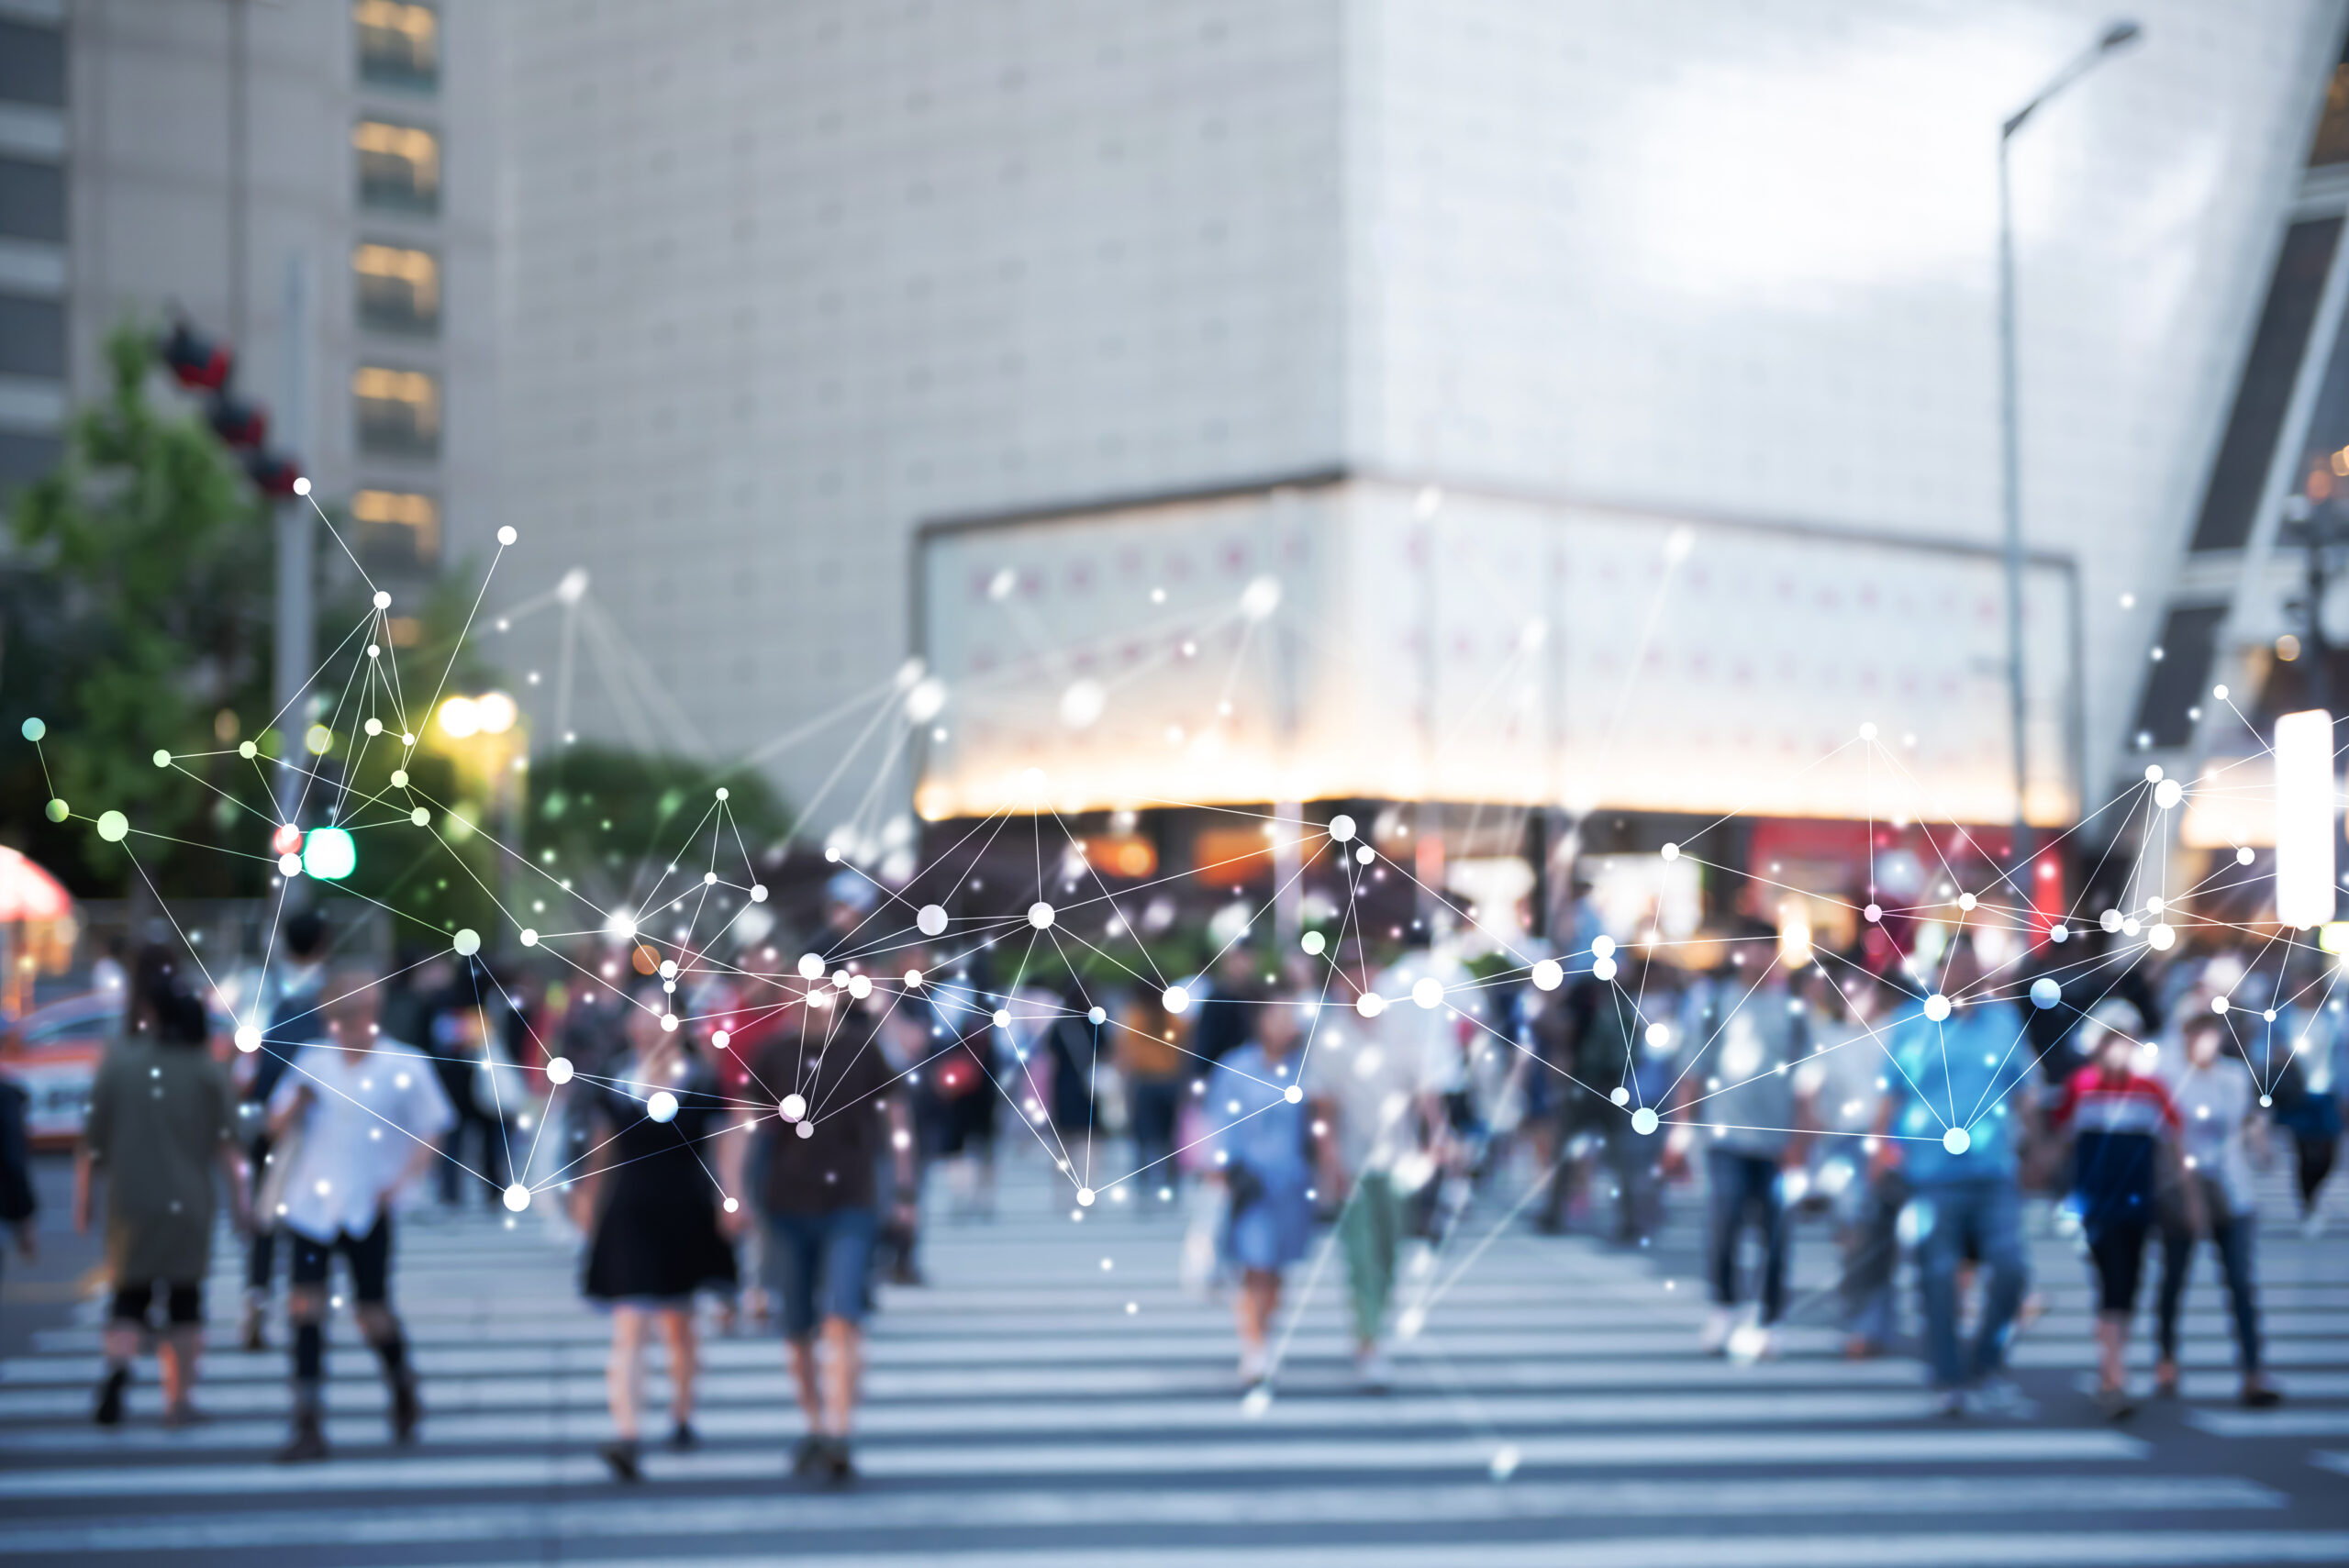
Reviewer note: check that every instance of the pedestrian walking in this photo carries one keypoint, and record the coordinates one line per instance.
(2215, 1107)
(1955, 1120)
(1847, 1075)
(357, 1118)
(162, 1121)
(656, 1203)
(19, 1204)
(2304, 1059)
(837, 1108)
(1257, 1117)
(291, 1022)
(2124, 1150)
(1381, 1108)
(1151, 1062)
(1737, 1099)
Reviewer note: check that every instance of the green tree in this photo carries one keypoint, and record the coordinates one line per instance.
(144, 594)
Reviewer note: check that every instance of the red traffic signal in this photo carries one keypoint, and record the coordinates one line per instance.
(238, 421)
(197, 361)
(272, 474)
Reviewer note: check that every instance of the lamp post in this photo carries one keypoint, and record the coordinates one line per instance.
(2117, 37)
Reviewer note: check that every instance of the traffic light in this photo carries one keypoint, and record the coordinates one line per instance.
(197, 361)
(238, 421)
(203, 364)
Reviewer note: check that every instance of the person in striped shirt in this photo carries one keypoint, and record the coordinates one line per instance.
(2124, 1131)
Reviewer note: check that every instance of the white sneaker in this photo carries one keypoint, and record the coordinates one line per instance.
(1254, 1365)
(1715, 1337)
(1373, 1371)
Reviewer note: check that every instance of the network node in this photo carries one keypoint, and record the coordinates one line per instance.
(1957, 1141)
(1549, 975)
(57, 810)
(468, 943)
(1873, 913)
(794, 1107)
(811, 967)
(248, 1039)
(931, 919)
(518, 1197)
(1370, 1004)
(1341, 828)
(2168, 793)
(1427, 993)
(662, 1106)
(162, 759)
(1096, 1017)
(1294, 1093)
(1937, 1006)
(113, 826)
(1620, 1095)
(289, 866)
(2219, 1004)
(2046, 993)
(247, 750)
(1313, 942)
(720, 1039)
(669, 1022)
(1672, 851)
(506, 535)
(529, 938)
(1085, 1197)
(383, 600)
(302, 485)
(1040, 915)
(913, 979)
(1175, 998)
(420, 817)
(1603, 970)
(33, 730)
(1644, 1120)
(758, 893)
(1602, 947)
(559, 1070)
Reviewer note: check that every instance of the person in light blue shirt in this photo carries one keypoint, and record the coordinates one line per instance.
(1953, 1122)
(1259, 1149)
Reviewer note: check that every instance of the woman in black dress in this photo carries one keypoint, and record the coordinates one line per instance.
(657, 1207)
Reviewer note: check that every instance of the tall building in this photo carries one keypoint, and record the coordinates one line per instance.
(317, 182)
(803, 294)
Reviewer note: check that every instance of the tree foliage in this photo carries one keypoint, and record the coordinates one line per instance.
(138, 623)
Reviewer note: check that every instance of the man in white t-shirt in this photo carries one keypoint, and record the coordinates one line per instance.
(356, 1117)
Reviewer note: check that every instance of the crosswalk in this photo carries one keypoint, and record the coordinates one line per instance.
(1051, 1397)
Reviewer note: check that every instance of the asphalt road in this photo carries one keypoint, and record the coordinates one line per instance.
(1051, 1398)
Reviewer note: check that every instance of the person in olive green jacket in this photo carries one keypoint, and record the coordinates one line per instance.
(162, 1118)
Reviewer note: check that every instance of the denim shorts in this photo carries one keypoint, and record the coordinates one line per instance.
(816, 1265)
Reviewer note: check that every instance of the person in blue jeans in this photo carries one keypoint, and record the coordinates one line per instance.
(838, 1105)
(1953, 1120)
(1258, 1152)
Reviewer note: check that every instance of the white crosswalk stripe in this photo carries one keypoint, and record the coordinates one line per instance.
(1554, 1410)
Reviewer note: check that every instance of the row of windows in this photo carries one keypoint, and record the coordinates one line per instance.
(396, 287)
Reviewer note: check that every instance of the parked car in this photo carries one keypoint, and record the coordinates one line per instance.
(53, 1051)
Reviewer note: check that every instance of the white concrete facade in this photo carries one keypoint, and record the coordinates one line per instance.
(787, 280)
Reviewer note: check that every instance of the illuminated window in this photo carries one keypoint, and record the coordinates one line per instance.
(399, 289)
(399, 44)
(399, 166)
(397, 527)
(399, 411)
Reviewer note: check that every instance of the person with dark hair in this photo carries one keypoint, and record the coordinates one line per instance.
(19, 1205)
(293, 1021)
(839, 1107)
(2213, 1096)
(357, 1117)
(2124, 1131)
(659, 1225)
(1258, 1112)
(162, 1115)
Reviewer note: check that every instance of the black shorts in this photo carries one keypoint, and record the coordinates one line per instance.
(183, 1304)
(2117, 1248)
(370, 1257)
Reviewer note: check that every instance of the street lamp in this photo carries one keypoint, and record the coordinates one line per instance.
(2117, 37)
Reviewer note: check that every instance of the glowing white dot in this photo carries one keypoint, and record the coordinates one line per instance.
(375, 727)
(1294, 1093)
(1957, 1141)
(811, 967)
(669, 1022)
(2059, 932)
(913, 979)
(1427, 993)
(721, 1039)
(1505, 1462)
(399, 778)
(1096, 1016)
(302, 485)
(1867, 731)
(1873, 912)
(1341, 828)
(506, 535)
(1620, 1095)
(2168, 793)
(1672, 851)
(1040, 915)
(289, 865)
(1643, 1120)
(407, 738)
(931, 921)
(2046, 993)
(467, 943)
(2152, 772)
(518, 1197)
(1313, 942)
(383, 600)
(662, 1106)
(1003, 1017)
(1364, 854)
(1370, 1004)
(1548, 974)
(248, 1039)
(1175, 999)
(1085, 1197)
(530, 937)
(559, 1070)
(807, 1129)
(113, 827)
(1937, 1006)
(247, 750)
(1965, 901)
(1603, 970)
(860, 986)
(2160, 938)
(1602, 947)
(794, 1107)
(2219, 1004)
(162, 759)
(2243, 856)
(420, 817)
